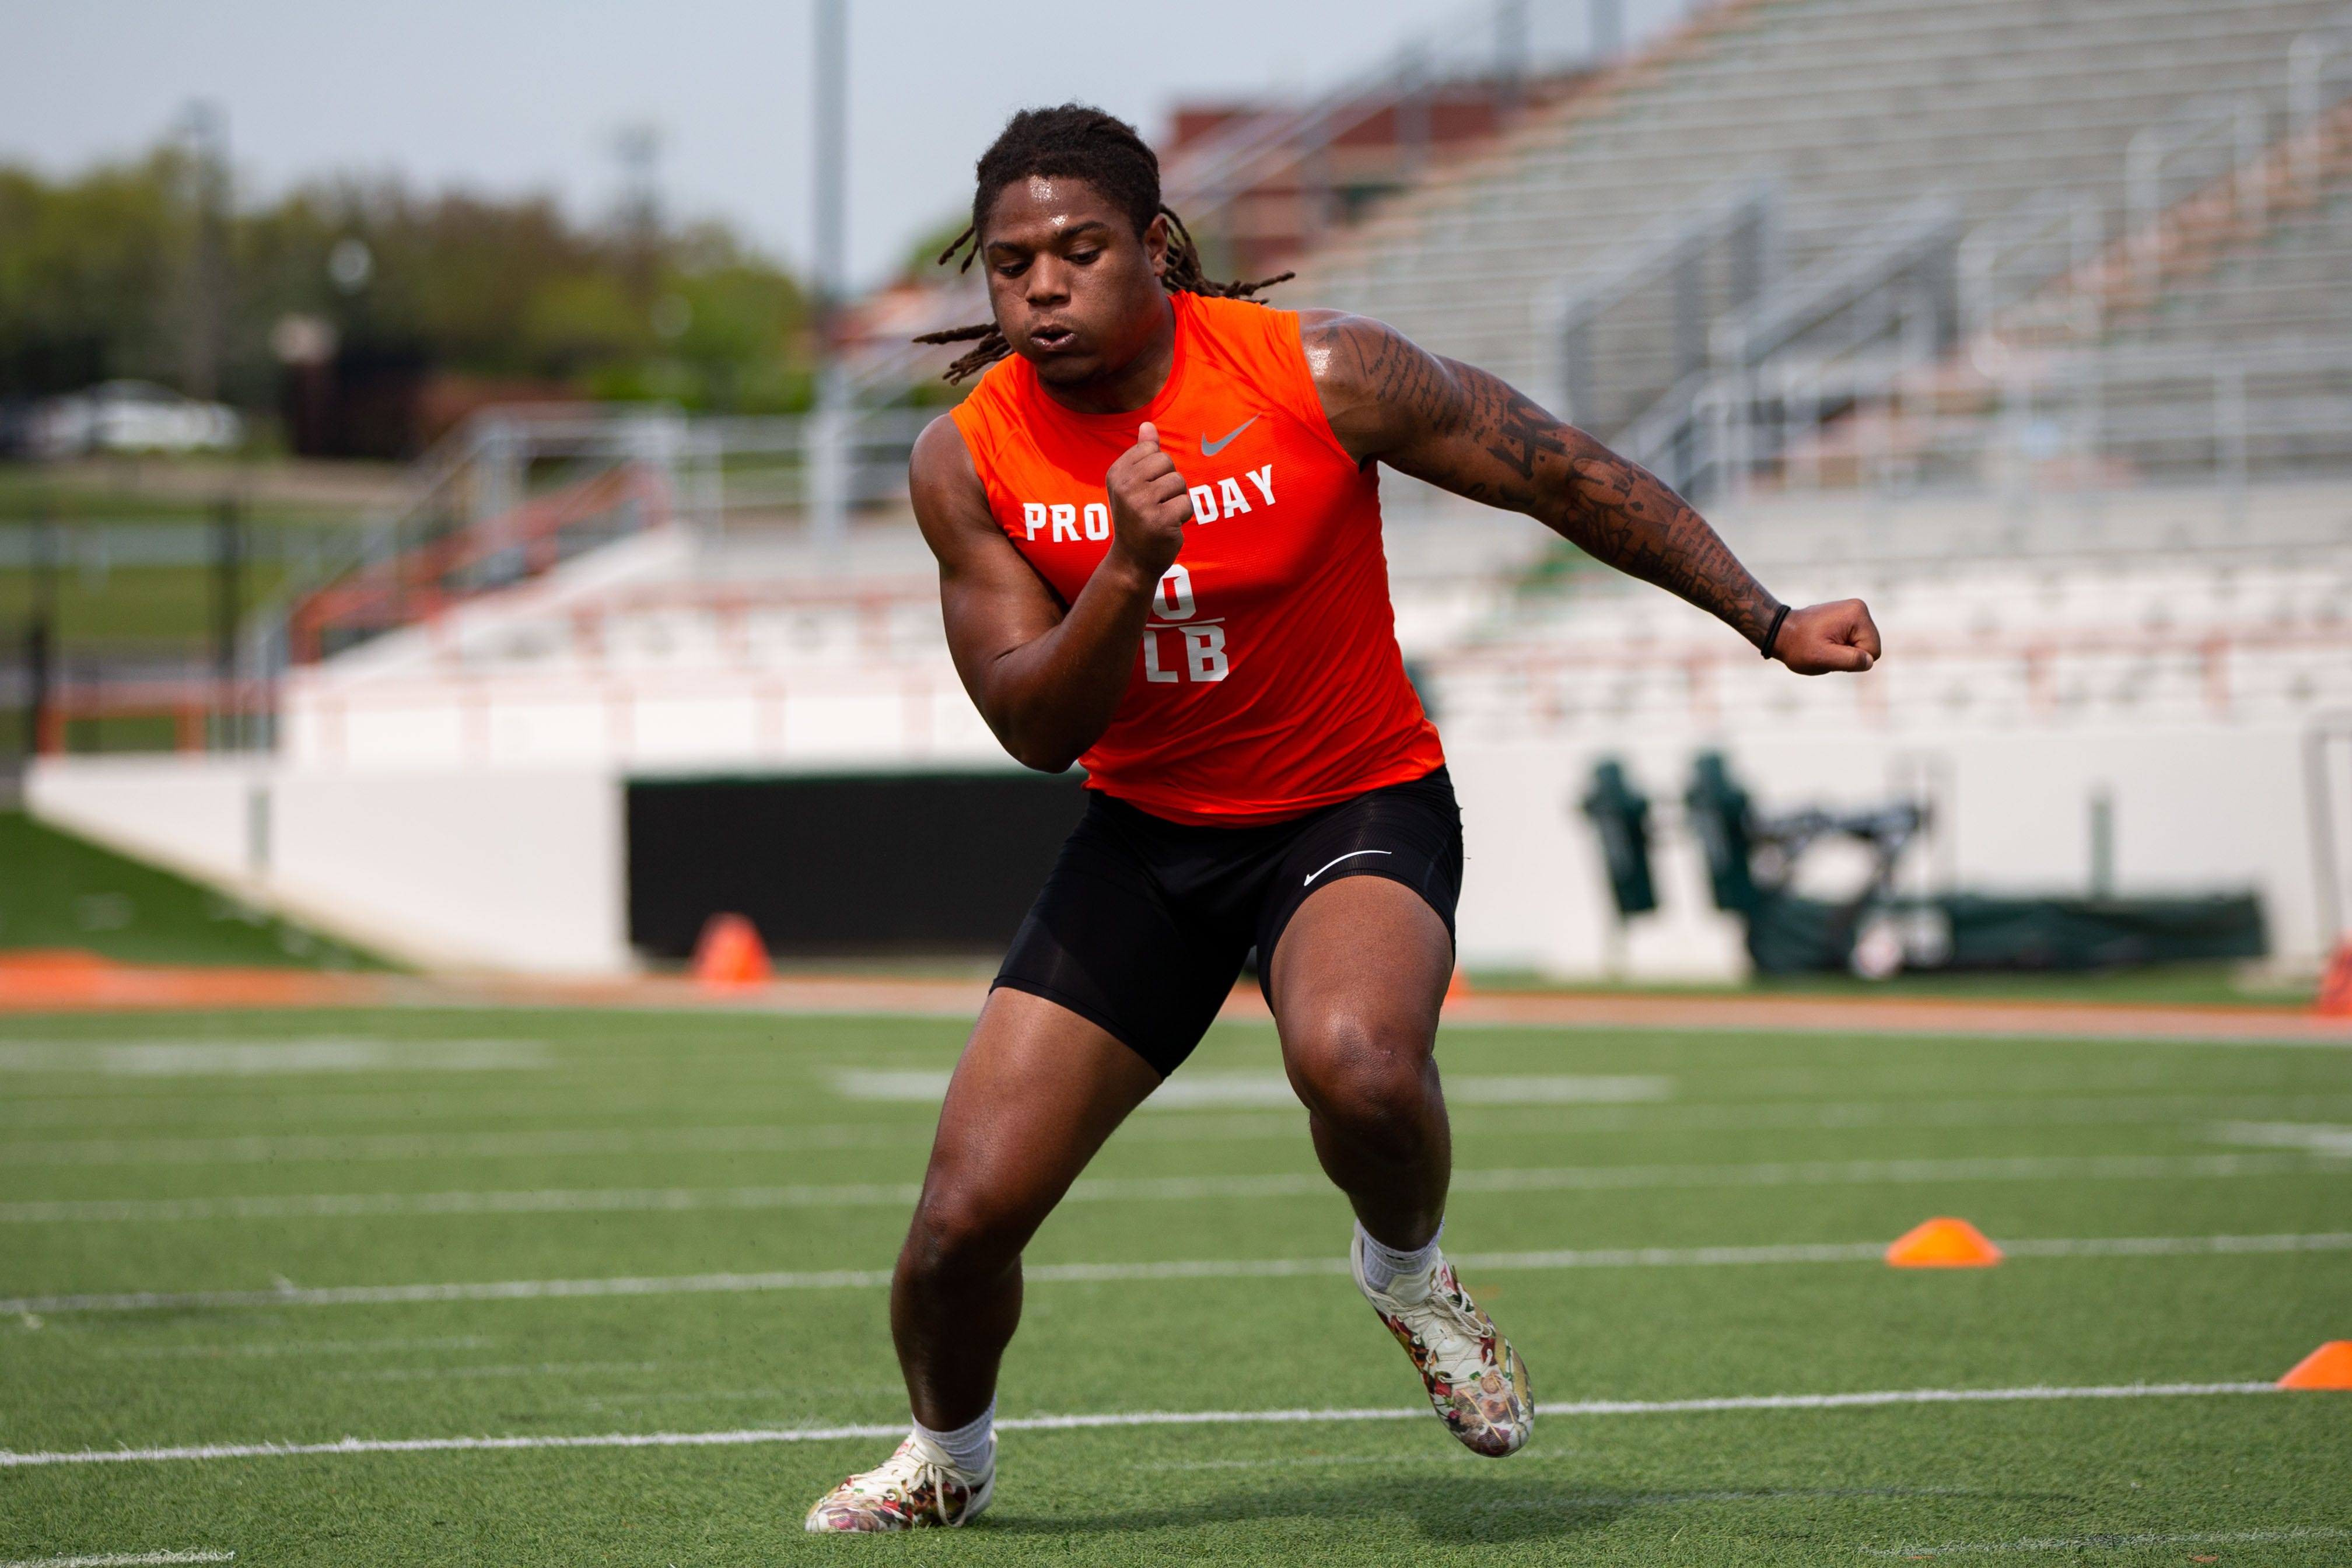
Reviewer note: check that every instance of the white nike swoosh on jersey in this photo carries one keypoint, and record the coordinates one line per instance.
(1211, 448)
(1350, 855)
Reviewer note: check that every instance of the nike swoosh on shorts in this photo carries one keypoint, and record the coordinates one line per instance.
(1211, 448)
(1327, 865)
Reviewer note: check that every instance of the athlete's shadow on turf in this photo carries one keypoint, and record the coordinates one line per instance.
(1448, 1508)
(1440, 1508)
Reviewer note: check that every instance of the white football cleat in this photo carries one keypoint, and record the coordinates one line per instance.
(915, 1488)
(1476, 1383)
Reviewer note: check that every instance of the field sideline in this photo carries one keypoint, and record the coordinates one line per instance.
(517, 1286)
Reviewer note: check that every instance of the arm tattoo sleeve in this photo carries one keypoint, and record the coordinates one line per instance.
(1468, 432)
(1620, 512)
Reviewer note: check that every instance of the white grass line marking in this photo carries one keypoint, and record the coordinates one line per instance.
(1132, 1418)
(333, 1206)
(2117, 1542)
(1554, 1089)
(913, 1086)
(245, 1058)
(460, 1374)
(296, 1347)
(2316, 1140)
(1204, 1268)
(1628, 1116)
(1286, 1184)
(2053, 1031)
(2059, 1025)
(1188, 1091)
(463, 1145)
(123, 1560)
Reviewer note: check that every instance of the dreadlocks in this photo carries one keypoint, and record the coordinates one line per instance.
(1082, 143)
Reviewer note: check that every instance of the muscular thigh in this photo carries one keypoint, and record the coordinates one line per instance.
(1357, 939)
(1362, 966)
(1107, 940)
(1036, 1091)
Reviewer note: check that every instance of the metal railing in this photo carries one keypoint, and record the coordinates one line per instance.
(2054, 240)
(1741, 220)
(1892, 286)
(2035, 425)
(2312, 60)
(1501, 42)
(2209, 139)
(1847, 337)
(2053, 232)
(511, 494)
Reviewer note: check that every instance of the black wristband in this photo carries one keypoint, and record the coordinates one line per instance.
(1774, 629)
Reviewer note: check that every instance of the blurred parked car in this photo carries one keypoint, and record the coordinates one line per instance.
(132, 417)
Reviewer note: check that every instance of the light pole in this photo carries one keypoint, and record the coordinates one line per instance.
(204, 133)
(827, 456)
(1608, 30)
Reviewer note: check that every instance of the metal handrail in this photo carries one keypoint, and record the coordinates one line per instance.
(1922, 232)
(1744, 340)
(2053, 218)
(1566, 313)
(2197, 128)
(1204, 177)
(2308, 60)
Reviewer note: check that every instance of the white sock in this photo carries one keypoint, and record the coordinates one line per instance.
(1385, 1268)
(967, 1446)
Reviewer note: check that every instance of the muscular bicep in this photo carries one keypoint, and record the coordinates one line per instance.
(992, 601)
(1473, 434)
(1450, 423)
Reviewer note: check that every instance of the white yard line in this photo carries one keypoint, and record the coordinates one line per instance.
(337, 1205)
(1971, 1023)
(462, 1374)
(1204, 1269)
(248, 1058)
(296, 1347)
(2318, 1140)
(2136, 1110)
(1286, 1184)
(1974, 1032)
(1871, 1399)
(1272, 1088)
(2117, 1542)
(123, 1560)
(549, 1143)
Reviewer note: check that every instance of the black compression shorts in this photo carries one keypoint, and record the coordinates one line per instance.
(1144, 923)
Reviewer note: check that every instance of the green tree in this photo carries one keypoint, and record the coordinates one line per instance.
(94, 284)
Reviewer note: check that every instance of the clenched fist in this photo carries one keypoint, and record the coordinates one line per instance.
(1148, 507)
(1821, 639)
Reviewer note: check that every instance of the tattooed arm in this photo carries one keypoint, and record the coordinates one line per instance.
(1463, 430)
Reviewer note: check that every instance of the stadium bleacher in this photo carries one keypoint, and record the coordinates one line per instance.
(1851, 111)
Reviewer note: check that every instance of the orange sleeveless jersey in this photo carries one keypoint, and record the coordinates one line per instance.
(1269, 681)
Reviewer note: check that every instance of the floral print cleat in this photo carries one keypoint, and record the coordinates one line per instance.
(915, 1488)
(1475, 1380)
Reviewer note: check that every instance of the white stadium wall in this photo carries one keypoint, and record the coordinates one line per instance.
(192, 814)
(517, 870)
(455, 794)
(527, 871)
(2192, 811)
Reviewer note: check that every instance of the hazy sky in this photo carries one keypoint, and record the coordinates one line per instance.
(510, 96)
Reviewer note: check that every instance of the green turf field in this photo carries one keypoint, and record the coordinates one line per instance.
(722, 1196)
(2187, 984)
(59, 890)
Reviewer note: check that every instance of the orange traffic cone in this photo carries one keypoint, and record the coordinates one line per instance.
(2335, 985)
(1943, 1244)
(730, 953)
(2329, 1366)
(1457, 987)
